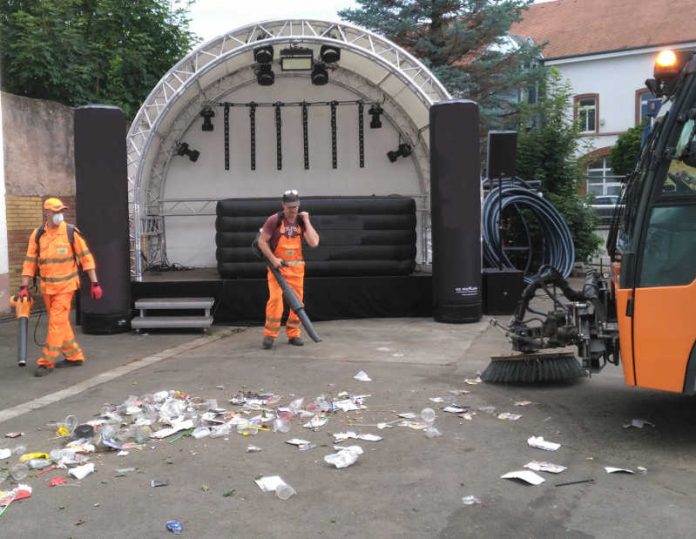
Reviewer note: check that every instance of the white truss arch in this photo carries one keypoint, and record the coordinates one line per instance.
(370, 66)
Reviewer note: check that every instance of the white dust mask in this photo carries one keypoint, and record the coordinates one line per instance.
(57, 218)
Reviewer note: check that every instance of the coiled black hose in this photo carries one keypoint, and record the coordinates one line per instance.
(559, 251)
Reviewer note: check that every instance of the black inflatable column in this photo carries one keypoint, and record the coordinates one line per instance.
(101, 188)
(455, 211)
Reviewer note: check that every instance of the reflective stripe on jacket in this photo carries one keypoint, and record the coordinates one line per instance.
(55, 260)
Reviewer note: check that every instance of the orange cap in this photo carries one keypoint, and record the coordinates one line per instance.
(54, 204)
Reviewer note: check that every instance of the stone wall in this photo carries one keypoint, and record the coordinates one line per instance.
(39, 163)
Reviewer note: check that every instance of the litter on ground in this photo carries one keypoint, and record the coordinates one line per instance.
(539, 443)
(525, 476)
(545, 467)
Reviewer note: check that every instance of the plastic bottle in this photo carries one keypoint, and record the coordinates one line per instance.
(200, 432)
(39, 464)
(218, 431)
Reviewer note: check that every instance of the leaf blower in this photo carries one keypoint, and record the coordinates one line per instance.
(289, 296)
(23, 309)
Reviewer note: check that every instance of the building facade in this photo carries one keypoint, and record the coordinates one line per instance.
(605, 50)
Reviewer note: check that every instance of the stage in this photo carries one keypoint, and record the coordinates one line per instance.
(242, 301)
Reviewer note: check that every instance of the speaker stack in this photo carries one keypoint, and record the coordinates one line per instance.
(455, 211)
(502, 287)
(101, 189)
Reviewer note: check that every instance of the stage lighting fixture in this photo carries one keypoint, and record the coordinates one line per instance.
(404, 150)
(265, 75)
(207, 113)
(263, 55)
(376, 113)
(183, 149)
(296, 59)
(319, 75)
(329, 54)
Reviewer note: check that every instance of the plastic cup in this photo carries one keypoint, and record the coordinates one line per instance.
(432, 432)
(142, 434)
(70, 422)
(428, 415)
(285, 492)
(280, 425)
(19, 471)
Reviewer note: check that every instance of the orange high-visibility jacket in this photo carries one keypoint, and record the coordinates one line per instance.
(58, 264)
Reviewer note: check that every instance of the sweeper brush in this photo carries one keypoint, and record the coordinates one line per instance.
(533, 368)
(581, 322)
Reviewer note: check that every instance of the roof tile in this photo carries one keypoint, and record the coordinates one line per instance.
(579, 27)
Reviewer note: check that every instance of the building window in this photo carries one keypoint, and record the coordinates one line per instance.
(601, 180)
(587, 112)
(643, 97)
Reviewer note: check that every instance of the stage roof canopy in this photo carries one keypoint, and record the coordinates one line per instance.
(370, 66)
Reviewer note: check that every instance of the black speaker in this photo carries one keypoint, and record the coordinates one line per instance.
(101, 192)
(502, 289)
(455, 197)
(502, 154)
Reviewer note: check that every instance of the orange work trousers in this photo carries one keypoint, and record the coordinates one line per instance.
(294, 276)
(60, 337)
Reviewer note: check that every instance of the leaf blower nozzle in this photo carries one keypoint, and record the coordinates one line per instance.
(22, 308)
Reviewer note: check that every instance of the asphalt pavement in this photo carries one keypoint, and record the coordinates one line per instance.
(406, 485)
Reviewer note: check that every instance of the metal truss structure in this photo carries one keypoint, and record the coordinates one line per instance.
(376, 70)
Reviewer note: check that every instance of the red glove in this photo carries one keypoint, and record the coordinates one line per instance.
(96, 291)
(24, 293)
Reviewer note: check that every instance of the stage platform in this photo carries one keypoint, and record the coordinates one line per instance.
(242, 301)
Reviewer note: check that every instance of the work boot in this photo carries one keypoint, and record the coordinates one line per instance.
(42, 370)
(68, 363)
(296, 341)
(267, 343)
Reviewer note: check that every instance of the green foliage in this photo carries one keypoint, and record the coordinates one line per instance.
(464, 43)
(90, 51)
(546, 152)
(624, 155)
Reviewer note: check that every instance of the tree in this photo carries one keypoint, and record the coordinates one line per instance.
(463, 42)
(546, 152)
(624, 155)
(90, 51)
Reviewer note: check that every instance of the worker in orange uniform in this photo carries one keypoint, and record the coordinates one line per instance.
(281, 243)
(57, 258)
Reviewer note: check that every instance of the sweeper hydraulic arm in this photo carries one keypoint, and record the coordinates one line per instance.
(585, 321)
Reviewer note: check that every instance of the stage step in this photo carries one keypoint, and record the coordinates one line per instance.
(143, 321)
(174, 322)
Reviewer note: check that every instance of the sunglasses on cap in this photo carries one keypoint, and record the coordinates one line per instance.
(291, 192)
